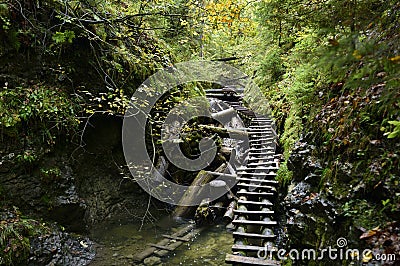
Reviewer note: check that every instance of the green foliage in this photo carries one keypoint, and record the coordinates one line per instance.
(63, 37)
(396, 132)
(361, 211)
(27, 157)
(309, 46)
(15, 233)
(283, 175)
(38, 107)
(49, 175)
(4, 16)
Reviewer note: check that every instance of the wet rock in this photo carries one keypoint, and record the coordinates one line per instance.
(302, 162)
(60, 248)
(308, 214)
(151, 261)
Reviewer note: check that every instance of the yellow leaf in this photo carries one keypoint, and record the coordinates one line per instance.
(367, 257)
(356, 54)
(395, 59)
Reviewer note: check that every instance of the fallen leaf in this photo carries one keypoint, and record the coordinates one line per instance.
(395, 59)
(367, 257)
(368, 234)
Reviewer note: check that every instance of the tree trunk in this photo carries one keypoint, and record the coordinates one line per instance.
(184, 210)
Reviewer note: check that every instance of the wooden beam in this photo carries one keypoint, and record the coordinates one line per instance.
(254, 222)
(183, 239)
(161, 247)
(236, 259)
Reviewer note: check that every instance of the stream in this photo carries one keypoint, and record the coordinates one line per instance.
(118, 242)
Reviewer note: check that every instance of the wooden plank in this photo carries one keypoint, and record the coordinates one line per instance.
(269, 158)
(176, 238)
(253, 212)
(257, 168)
(260, 130)
(235, 259)
(259, 194)
(274, 182)
(262, 139)
(160, 247)
(215, 95)
(263, 223)
(263, 126)
(176, 244)
(269, 150)
(265, 202)
(256, 174)
(236, 247)
(262, 119)
(255, 135)
(264, 143)
(266, 158)
(147, 252)
(262, 149)
(256, 186)
(261, 153)
(262, 163)
(253, 235)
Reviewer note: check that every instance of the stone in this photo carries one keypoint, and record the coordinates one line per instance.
(152, 261)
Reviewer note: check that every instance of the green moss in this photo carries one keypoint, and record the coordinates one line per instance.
(283, 175)
(364, 213)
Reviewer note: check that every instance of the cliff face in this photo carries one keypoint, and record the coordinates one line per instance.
(344, 161)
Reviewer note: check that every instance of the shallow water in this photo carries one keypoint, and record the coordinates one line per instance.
(209, 248)
(119, 242)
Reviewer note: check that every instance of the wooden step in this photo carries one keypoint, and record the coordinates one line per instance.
(261, 139)
(264, 159)
(253, 235)
(257, 174)
(260, 126)
(262, 149)
(256, 135)
(176, 238)
(264, 144)
(236, 259)
(256, 186)
(261, 223)
(262, 163)
(237, 247)
(253, 212)
(259, 194)
(274, 182)
(260, 153)
(262, 119)
(161, 247)
(265, 202)
(215, 95)
(267, 129)
(256, 168)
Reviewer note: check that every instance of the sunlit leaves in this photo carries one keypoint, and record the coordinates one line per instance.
(396, 132)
